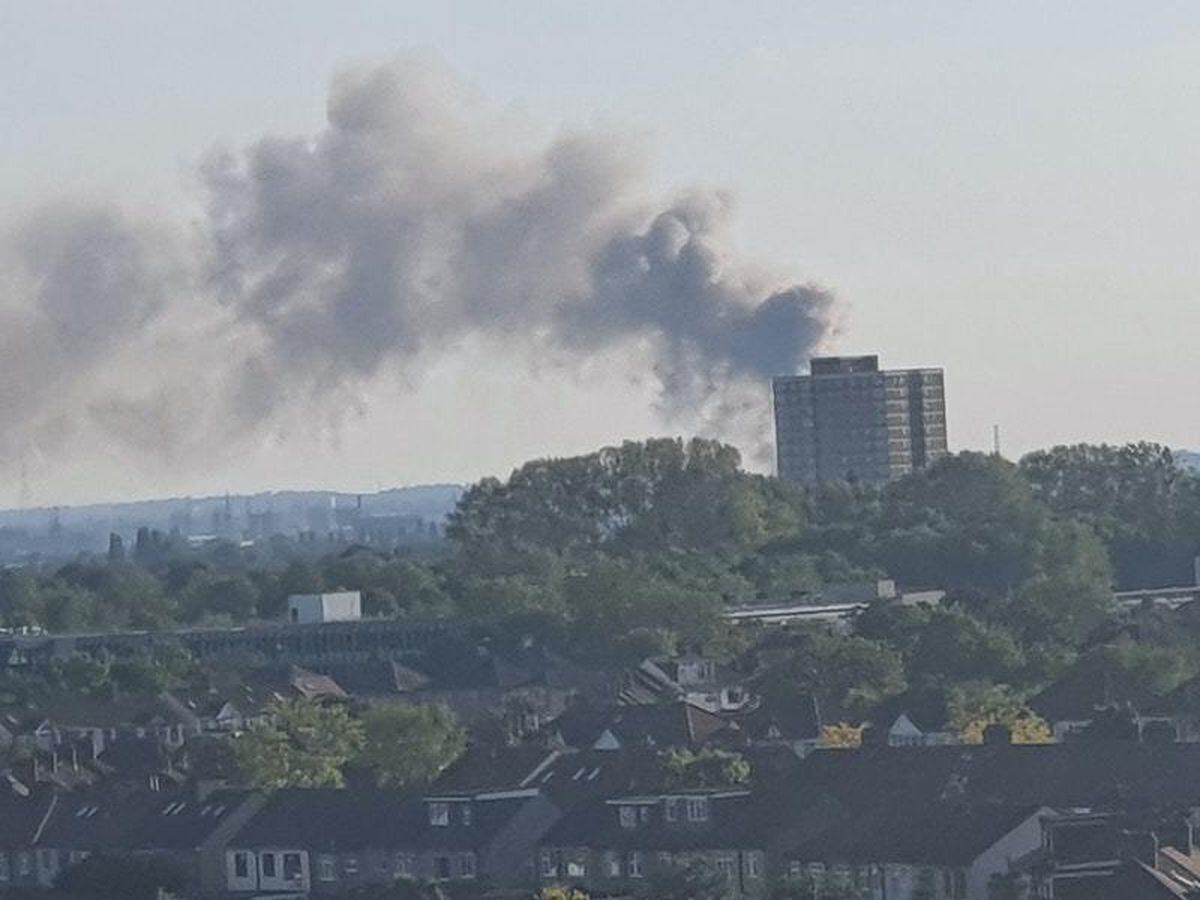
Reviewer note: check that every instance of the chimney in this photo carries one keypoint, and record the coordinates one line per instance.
(997, 734)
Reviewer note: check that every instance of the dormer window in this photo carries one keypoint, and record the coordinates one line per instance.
(697, 809)
(629, 816)
(439, 814)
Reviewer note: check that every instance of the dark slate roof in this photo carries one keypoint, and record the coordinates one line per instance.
(1132, 880)
(332, 821)
(1077, 774)
(1087, 688)
(574, 778)
(793, 718)
(72, 710)
(938, 833)
(131, 756)
(676, 724)
(488, 767)
(22, 809)
(164, 827)
(99, 819)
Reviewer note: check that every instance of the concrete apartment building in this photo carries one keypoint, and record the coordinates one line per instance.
(849, 420)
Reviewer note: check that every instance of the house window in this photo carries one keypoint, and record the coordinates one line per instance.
(24, 864)
(4, 872)
(629, 817)
(634, 865)
(326, 870)
(268, 865)
(697, 809)
(403, 865)
(673, 804)
(48, 860)
(612, 865)
(549, 870)
(725, 865)
(441, 868)
(753, 865)
(350, 865)
(960, 884)
(576, 869)
(291, 866)
(795, 869)
(466, 814)
(466, 865)
(439, 814)
(241, 865)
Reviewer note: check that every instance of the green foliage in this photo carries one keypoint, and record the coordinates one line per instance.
(401, 889)
(697, 881)
(974, 706)
(301, 744)
(808, 887)
(408, 745)
(847, 674)
(1070, 590)
(653, 496)
(957, 646)
(1142, 504)
(704, 769)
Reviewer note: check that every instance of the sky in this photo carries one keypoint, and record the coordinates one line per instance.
(1004, 190)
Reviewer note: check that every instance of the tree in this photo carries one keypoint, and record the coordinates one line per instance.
(841, 736)
(697, 881)
(810, 887)
(406, 745)
(970, 521)
(559, 892)
(1070, 590)
(705, 769)
(846, 673)
(302, 744)
(958, 646)
(975, 706)
(402, 889)
(1141, 503)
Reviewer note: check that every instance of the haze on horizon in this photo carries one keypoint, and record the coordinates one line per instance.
(1003, 192)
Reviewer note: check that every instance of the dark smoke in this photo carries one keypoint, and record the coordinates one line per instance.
(410, 223)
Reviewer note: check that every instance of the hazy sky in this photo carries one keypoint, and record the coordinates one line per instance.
(1006, 190)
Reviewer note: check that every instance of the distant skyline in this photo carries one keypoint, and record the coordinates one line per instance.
(1002, 191)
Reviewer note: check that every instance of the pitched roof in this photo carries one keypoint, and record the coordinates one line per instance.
(793, 718)
(678, 724)
(331, 820)
(936, 833)
(99, 819)
(1099, 774)
(1087, 688)
(736, 820)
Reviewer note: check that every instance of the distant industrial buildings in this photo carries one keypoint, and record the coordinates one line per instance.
(848, 420)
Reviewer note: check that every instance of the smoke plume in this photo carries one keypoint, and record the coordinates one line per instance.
(411, 222)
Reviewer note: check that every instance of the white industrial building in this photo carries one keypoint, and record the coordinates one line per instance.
(337, 606)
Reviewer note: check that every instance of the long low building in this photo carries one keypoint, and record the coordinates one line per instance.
(300, 643)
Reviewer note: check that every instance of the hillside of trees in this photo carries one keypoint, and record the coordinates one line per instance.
(635, 550)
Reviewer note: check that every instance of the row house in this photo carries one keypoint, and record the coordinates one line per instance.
(614, 845)
(46, 831)
(936, 851)
(1094, 855)
(325, 842)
